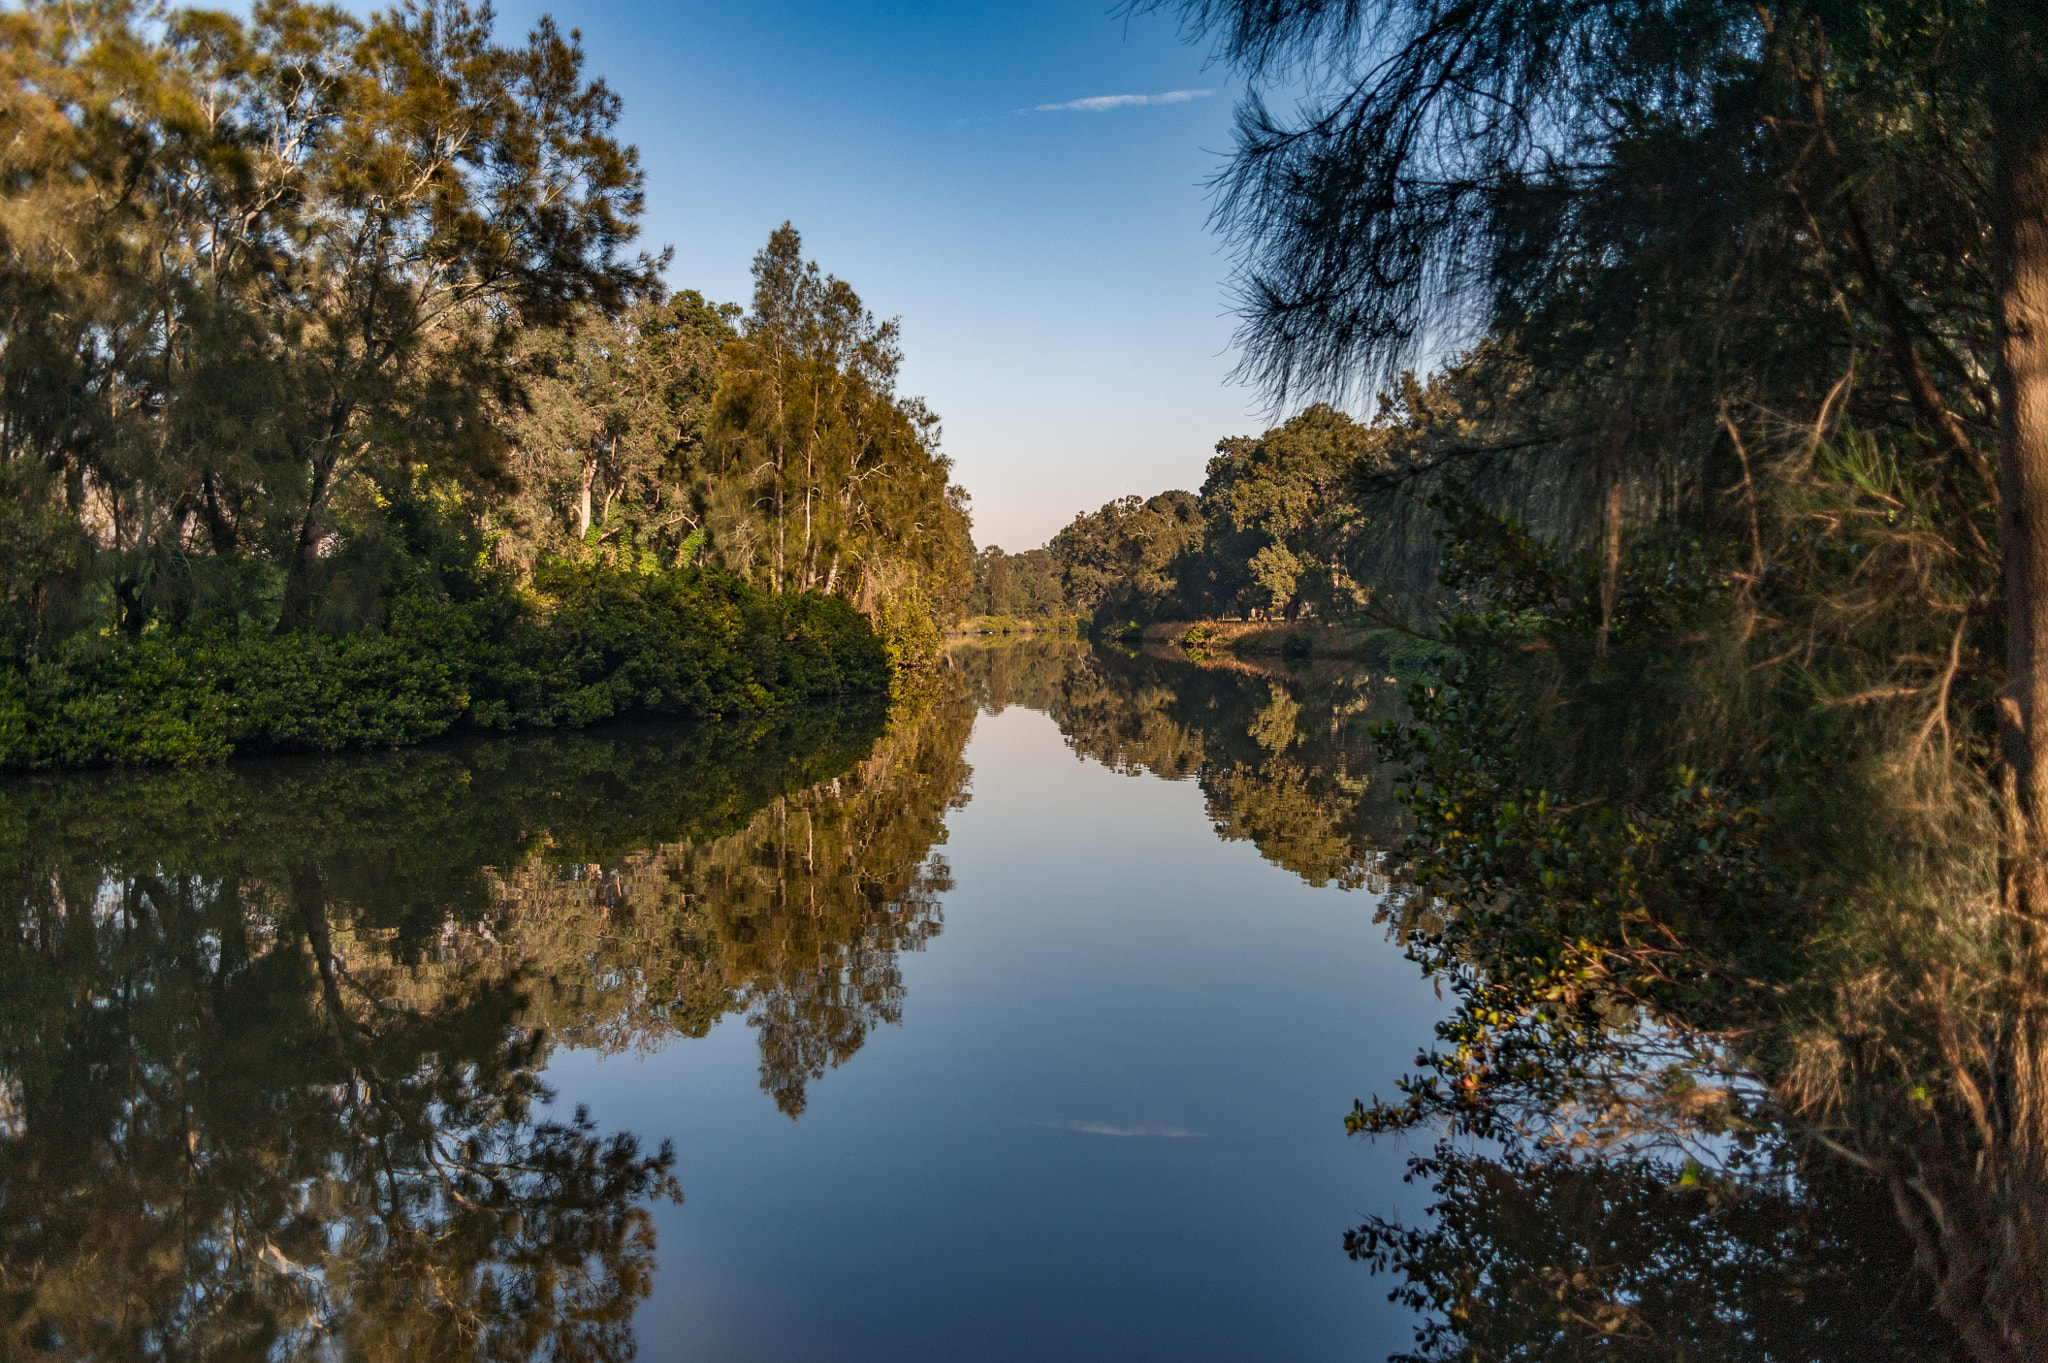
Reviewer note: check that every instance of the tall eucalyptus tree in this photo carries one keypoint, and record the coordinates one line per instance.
(818, 475)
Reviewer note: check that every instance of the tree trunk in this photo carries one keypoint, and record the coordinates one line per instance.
(2020, 261)
(810, 481)
(220, 531)
(1610, 546)
(296, 611)
(2002, 1289)
(583, 503)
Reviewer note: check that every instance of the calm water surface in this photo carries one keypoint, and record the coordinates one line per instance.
(1022, 1027)
(1109, 1125)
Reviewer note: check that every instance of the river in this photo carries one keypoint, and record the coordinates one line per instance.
(1109, 1122)
(1020, 1023)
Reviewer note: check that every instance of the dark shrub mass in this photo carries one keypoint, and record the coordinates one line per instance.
(587, 643)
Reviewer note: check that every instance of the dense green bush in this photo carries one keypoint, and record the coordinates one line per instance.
(589, 643)
(911, 638)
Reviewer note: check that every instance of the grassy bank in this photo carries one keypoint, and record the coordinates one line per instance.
(584, 644)
(1399, 654)
(981, 626)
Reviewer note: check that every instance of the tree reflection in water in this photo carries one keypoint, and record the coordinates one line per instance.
(1642, 1211)
(1284, 760)
(270, 1035)
(794, 917)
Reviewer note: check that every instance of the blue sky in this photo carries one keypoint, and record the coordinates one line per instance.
(1062, 297)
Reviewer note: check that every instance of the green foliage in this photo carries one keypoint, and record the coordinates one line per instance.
(308, 313)
(1125, 559)
(816, 474)
(1279, 517)
(596, 644)
(200, 344)
(201, 697)
(45, 561)
(1268, 533)
(1409, 657)
(691, 643)
(1025, 585)
(609, 442)
(910, 633)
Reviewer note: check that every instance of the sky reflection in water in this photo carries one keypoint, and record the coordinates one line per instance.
(1109, 1127)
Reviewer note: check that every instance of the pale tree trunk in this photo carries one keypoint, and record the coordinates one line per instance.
(1610, 547)
(589, 479)
(1996, 1267)
(2020, 232)
(810, 481)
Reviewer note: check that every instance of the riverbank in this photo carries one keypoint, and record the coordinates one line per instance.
(1322, 638)
(579, 645)
(989, 626)
(1402, 655)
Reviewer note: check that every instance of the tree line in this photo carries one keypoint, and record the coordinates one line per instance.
(309, 317)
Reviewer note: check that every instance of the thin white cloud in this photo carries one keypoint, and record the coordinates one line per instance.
(1098, 104)
(1172, 1133)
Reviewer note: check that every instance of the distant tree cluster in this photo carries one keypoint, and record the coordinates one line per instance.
(1024, 586)
(1268, 535)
